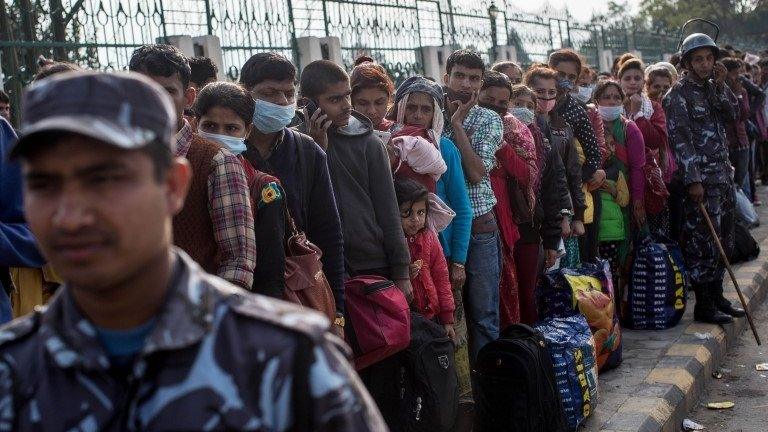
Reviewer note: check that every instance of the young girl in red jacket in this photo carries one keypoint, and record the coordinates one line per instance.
(432, 295)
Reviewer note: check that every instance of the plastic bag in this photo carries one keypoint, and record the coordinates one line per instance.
(657, 293)
(744, 209)
(572, 348)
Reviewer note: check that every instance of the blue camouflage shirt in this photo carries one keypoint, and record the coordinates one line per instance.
(696, 116)
(218, 358)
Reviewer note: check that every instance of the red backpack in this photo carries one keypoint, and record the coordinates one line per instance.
(379, 319)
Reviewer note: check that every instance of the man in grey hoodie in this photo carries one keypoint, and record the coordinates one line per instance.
(360, 173)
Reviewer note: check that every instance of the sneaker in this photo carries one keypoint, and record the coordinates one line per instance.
(757, 203)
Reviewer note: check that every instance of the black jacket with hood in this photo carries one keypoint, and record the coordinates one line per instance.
(365, 194)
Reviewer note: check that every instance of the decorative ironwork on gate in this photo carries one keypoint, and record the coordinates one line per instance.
(102, 34)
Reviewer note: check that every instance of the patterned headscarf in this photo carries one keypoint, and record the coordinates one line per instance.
(420, 84)
(517, 134)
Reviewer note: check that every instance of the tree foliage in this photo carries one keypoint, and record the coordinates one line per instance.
(736, 18)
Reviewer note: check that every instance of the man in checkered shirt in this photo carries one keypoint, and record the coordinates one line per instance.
(477, 133)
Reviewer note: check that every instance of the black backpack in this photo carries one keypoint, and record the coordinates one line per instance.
(417, 389)
(745, 247)
(516, 389)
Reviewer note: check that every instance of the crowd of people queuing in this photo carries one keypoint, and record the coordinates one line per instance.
(461, 190)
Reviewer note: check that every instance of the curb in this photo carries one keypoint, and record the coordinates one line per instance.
(674, 385)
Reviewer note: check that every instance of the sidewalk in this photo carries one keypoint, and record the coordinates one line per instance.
(664, 372)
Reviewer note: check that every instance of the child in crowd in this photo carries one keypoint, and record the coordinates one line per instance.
(223, 113)
(432, 296)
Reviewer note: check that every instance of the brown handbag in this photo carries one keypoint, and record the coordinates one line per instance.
(305, 282)
(522, 213)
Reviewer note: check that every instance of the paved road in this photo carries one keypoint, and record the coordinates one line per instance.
(643, 351)
(740, 384)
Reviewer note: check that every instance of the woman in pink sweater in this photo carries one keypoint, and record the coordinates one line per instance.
(628, 141)
(649, 117)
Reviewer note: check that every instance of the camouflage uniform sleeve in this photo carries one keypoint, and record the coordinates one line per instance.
(340, 401)
(680, 136)
(8, 413)
(728, 104)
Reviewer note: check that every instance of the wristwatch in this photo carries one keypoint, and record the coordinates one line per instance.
(339, 321)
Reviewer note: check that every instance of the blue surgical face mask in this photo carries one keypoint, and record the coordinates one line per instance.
(270, 118)
(610, 113)
(523, 114)
(564, 84)
(234, 144)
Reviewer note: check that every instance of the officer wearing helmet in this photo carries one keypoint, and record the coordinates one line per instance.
(698, 108)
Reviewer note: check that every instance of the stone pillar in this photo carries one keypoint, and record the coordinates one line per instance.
(433, 59)
(506, 53)
(210, 46)
(330, 47)
(309, 50)
(606, 60)
(312, 48)
(183, 42)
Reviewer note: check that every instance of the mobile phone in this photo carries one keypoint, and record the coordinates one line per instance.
(453, 95)
(310, 108)
(382, 135)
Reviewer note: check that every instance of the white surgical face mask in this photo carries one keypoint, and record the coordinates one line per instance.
(234, 144)
(610, 113)
(585, 93)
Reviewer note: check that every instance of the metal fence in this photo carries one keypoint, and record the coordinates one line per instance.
(101, 34)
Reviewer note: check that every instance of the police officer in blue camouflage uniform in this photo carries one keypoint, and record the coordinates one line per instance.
(140, 338)
(697, 109)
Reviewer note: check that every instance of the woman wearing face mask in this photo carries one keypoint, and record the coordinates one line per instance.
(650, 118)
(224, 112)
(625, 138)
(543, 81)
(586, 85)
(553, 205)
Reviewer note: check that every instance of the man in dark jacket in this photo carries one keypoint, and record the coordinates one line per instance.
(698, 108)
(362, 181)
(296, 160)
(140, 338)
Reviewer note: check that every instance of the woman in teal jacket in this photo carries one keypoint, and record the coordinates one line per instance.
(451, 187)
